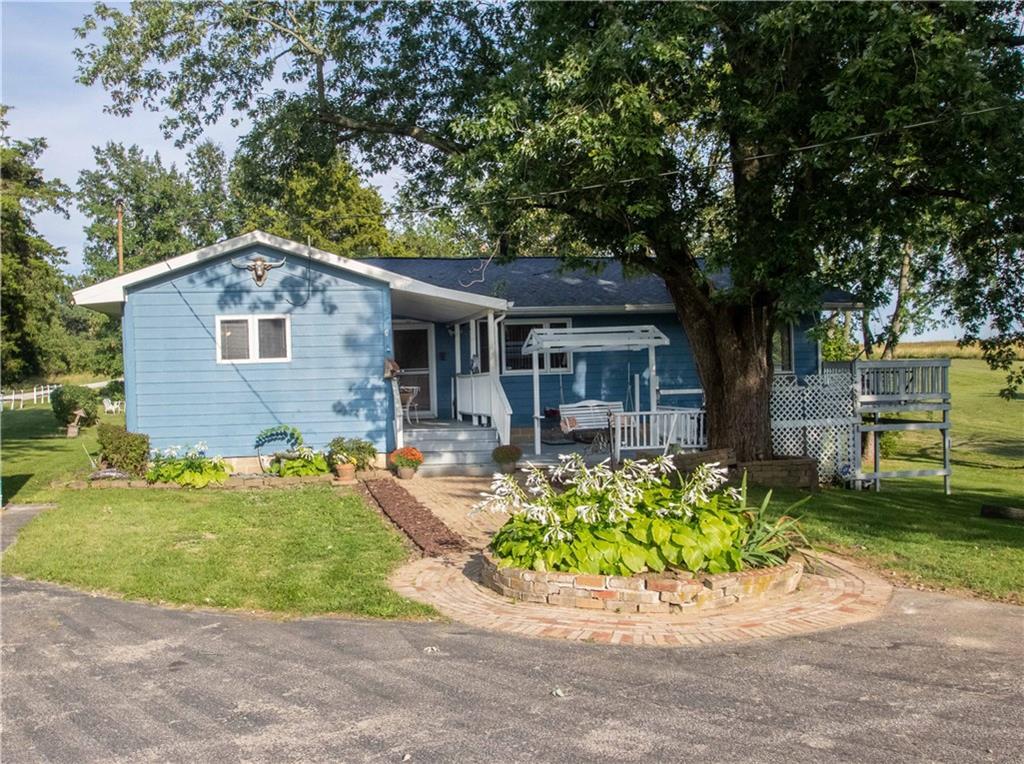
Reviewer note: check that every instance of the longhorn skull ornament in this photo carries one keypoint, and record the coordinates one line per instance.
(259, 267)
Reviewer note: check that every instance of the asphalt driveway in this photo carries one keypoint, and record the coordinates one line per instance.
(90, 678)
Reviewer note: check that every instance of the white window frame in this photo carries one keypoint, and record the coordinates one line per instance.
(544, 323)
(792, 352)
(254, 337)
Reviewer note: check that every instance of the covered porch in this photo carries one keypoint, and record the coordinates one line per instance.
(611, 426)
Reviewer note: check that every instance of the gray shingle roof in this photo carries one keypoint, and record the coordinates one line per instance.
(540, 282)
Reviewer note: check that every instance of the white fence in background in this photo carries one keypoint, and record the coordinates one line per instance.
(815, 417)
(17, 398)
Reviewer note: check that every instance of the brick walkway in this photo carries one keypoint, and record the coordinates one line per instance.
(452, 499)
(840, 594)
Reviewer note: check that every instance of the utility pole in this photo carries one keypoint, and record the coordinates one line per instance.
(120, 235)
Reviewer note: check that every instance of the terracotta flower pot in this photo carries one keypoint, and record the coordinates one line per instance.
(345, 472)
(406, 473)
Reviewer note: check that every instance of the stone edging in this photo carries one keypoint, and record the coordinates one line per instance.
(648, 593)
(232, 483)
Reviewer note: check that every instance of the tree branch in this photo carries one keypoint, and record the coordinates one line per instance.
(419, 134)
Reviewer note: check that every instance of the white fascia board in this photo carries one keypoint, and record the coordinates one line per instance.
(552, 310)
(112, 290)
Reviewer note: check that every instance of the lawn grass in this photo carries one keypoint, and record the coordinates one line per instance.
(300, 551)
(296, 552)
(914, 532)
(35, 453)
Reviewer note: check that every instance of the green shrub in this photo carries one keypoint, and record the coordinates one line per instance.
(642, 517)
(67, 399)
(299, 463)
(355, 451)
(113, 390)
(889, 444)
(506, 454)
(123, 450)
(190, 468)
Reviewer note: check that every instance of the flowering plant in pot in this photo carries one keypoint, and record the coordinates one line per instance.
(406, 461)
(506, 457)
(347, 455)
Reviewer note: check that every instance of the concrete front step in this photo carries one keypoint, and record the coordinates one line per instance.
(453, 448)
(455, 437)
(440, 444)
(457, 457)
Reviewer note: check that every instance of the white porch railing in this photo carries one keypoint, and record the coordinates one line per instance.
(396, 396)
(482, 396)
(890, 384)
(658, 430)
(902, 380)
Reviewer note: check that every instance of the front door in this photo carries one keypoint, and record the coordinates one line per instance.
(414, 353)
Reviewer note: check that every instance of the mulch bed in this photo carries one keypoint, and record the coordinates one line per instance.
(417, 522)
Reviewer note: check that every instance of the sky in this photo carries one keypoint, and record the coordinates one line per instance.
(38, 82)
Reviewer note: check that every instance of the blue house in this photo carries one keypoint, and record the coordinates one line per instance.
(257, 331)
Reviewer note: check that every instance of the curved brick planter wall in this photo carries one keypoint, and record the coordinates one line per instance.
(647, 593)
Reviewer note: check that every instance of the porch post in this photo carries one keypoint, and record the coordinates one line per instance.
(492, 344)
(473, 344)
(458, 348)
(536, 403)
(654, 378)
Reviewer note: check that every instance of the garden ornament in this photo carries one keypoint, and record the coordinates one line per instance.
(259, 267)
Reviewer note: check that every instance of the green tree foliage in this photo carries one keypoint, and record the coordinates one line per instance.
(326, 207)
(33, 288)
(163, 212)
(673, 136)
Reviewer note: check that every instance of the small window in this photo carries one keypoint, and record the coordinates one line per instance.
(253, 339)
(782, 349)
(514, 334)
(273, 337)
(234, 340)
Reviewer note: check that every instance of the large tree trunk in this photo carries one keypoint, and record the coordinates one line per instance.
(731, 346)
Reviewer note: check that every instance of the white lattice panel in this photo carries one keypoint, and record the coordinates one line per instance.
(814, 417)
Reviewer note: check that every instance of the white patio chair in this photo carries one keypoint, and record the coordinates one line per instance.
(407, 395)
(111, 407)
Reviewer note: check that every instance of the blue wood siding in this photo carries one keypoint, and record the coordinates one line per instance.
(333, 385)
(805, 347)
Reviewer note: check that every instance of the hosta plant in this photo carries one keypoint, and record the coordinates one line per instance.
(575, 518)
(188, 467)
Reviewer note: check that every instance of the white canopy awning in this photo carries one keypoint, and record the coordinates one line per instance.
(594, 339)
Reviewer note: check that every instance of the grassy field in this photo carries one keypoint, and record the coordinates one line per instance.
(289, 551)
(938, 349)
(915, 533)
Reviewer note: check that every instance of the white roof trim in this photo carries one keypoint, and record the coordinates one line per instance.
(594, 339)
(112, 291)
(560, 310)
